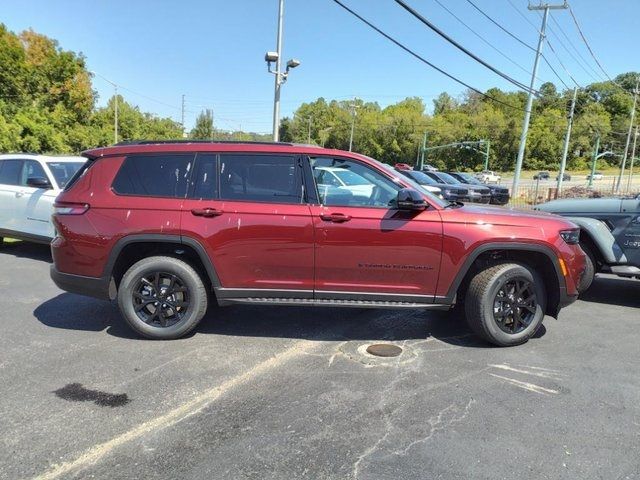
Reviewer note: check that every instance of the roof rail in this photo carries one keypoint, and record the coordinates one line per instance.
(152, 142)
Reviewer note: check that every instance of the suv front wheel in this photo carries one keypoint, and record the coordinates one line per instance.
(162, 298)
(505, 304)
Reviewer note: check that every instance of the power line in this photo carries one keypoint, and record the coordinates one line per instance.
(422, 59)
(482, 38)
(518, 39)
(575, 59)
(515, 37)
(461, 48)
(584, 39)
(566, 70)
(571, 44)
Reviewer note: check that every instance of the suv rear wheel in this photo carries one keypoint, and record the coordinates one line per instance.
(505, 304)
(162, 298)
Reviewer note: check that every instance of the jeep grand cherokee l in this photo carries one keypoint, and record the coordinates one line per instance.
(168, 228)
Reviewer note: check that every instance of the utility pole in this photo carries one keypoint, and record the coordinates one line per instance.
(527, 111)
(278, 80)
(567, 137)
(115, 115)
(182, 117)
(423, 150)
(486, 154)
(353, 123)
(633, 157)
(593, 162)
(309, 135)
(626, 147)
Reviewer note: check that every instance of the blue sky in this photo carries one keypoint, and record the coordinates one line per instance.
(212, 50)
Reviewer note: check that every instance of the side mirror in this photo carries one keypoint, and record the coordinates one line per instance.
(39, 182)
(409, 199)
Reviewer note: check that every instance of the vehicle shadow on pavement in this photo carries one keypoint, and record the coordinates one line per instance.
(624, 292)
(74, 312)
(34, 251)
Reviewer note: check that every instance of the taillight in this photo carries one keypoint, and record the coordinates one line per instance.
(70, 208)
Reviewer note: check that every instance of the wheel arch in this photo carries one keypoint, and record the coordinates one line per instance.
(132, 248)
(543, 259)
(602, 242)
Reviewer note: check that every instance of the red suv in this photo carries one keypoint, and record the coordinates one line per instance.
(167, 228)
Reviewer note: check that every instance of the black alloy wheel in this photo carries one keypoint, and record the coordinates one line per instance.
(515, 305)
(161, 299)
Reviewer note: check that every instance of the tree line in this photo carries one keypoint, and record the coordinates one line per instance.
(48, 105)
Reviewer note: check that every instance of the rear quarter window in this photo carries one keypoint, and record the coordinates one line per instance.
(154, 175)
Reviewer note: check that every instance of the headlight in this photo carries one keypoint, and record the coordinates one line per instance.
(447, 191)
(571, 237)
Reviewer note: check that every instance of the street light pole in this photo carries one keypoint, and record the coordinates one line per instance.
(486, 154)
(115, 115)
(593, 162)
(527, 110)
(278, 79)
(633, 157)
(353, 124)
(626, 147)
(567, 137)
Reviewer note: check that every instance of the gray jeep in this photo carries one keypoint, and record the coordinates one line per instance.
(609, 233)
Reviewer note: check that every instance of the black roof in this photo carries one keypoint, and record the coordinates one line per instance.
(154, 142)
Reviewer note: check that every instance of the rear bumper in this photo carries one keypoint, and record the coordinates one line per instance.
(89, 286)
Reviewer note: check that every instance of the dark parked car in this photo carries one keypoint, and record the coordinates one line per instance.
(448, 192)
(477, 193)
(499, 195)
(542, 176)
(609, 233)
(168, 228)
(565, 177)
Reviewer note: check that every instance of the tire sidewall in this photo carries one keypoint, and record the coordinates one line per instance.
(145, 267)
(589, 270)
(489, 296)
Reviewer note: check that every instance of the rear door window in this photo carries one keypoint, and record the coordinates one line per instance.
(165, 175)
(10, 171)
(204, 179)
(260, 178)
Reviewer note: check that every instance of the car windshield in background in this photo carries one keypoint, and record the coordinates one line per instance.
(63, 171)
(470, 179)
(447, 178)
(414, 181)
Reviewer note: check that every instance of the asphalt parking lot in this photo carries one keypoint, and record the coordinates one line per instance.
(289, 392)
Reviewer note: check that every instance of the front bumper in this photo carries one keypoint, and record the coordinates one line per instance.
(101, 288)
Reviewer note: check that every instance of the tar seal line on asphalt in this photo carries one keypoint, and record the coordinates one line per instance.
(192, 407)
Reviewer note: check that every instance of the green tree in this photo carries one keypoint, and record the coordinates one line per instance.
(203, 129)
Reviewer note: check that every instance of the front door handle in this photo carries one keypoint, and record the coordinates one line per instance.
(206, 212)
(335, 217)
(20, 194)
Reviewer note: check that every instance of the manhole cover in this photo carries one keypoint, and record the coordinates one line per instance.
(384, 350)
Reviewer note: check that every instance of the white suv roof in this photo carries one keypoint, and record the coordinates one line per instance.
(46, 158)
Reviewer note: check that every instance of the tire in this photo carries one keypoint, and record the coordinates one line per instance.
(589, 270)
(151, 282)
(490, 290)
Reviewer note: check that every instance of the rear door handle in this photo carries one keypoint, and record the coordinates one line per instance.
(335, 217)
(206, 212)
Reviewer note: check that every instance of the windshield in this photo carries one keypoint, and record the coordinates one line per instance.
(446, 178)
(63, 171)
(350, 178)
(407, 176)
(466, 178)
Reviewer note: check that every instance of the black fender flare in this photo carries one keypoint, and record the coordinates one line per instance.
(161, 238)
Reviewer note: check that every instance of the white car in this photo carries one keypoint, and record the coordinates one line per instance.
(29, 184)
(487, 176)
(328, 177)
